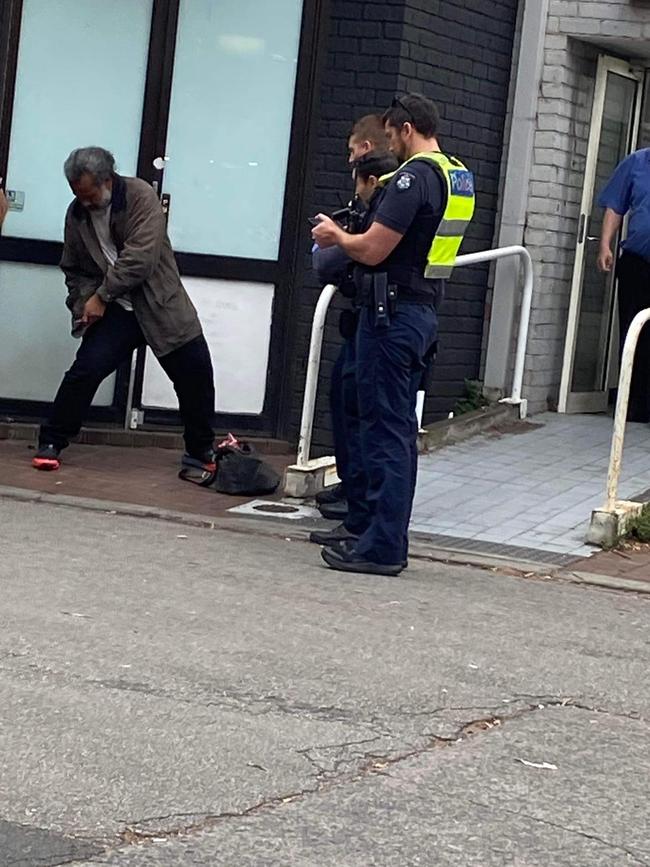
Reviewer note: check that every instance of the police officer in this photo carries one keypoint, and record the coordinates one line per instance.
(333, 265)
(402, 261)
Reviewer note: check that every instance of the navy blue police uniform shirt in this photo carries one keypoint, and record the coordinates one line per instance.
(412, 203)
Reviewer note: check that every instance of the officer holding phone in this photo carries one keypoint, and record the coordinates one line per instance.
(402, 261)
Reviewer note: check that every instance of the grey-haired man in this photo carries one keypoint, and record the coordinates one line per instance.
(124, 291)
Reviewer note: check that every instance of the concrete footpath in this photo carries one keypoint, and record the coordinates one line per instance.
(172, 695)
(139, 481)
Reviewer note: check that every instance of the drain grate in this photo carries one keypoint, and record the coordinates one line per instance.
(275, 509)
(498, 549)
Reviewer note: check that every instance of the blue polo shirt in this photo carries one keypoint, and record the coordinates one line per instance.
(628, 190)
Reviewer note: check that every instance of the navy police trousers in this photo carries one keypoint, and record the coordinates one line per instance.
(343, 409)
(382, 452)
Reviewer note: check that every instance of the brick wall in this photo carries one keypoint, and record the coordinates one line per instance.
(458, 52)
(556, 184)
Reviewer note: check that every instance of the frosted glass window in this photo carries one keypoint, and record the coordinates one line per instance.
(230, 125)
(81, 77)
(236, 319)
(35, 343)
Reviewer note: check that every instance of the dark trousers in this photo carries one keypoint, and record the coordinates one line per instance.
(633, 273)
(344, 406)
(105, 346)
(390, 361)
(337, 412)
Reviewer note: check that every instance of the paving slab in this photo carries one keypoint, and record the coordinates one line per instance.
(549, 476)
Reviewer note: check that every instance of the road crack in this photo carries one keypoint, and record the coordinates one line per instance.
(578, 832)
(369, 763)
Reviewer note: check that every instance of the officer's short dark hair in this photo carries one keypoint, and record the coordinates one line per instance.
(415, 109)
(375, 164)
(370, 128)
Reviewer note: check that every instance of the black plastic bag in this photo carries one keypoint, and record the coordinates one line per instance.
(241, 471)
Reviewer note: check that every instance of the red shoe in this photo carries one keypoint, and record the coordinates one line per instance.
(47, 458)
(200, 471)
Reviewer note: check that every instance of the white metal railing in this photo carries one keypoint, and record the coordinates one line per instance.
(622, 400)
(318, 328)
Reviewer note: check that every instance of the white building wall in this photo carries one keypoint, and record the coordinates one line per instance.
(577, 32)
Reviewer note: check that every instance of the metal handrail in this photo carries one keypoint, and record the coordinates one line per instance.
(318, 328)
(313, 367)
(622, 400)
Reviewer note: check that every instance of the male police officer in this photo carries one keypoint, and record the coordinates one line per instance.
(403, 258)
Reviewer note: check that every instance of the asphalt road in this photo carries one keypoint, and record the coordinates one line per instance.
(192, 697)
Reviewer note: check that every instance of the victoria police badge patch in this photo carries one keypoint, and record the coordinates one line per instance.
(404, 181)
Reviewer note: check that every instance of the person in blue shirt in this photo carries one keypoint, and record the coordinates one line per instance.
(628, 193)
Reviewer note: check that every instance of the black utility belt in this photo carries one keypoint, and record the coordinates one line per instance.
(396, 293)
(410, 298)
(383, 297)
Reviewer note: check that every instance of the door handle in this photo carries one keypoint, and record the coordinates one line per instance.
(582, 227)
(165, 201)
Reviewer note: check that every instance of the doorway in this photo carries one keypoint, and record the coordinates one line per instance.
(199, 99)
(591, 347)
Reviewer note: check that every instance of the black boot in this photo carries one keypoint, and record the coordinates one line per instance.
(330, 495)
(330, 537)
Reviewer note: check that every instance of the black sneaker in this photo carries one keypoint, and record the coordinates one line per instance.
(331, 537)
(337, 511)
(346, 546)
(330, 495)
(200, 471)
(47, 458)
(347, 560)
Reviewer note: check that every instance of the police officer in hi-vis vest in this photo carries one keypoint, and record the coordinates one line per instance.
(403, 259)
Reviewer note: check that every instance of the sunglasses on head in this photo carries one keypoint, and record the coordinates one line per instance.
(399, 103)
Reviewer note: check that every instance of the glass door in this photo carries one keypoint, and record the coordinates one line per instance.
(69, 92)
(223, 176)
(591, 342)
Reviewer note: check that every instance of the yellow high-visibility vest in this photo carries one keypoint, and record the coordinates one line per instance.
(459, 210)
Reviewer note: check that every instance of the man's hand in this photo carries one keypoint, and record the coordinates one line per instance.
(605, 260)
(4, 206)
(94, 309)
(327, 233)
(612, 222)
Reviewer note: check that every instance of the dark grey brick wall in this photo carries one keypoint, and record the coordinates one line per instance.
(458, 52)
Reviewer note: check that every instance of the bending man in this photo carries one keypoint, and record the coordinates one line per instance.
(124, 291)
